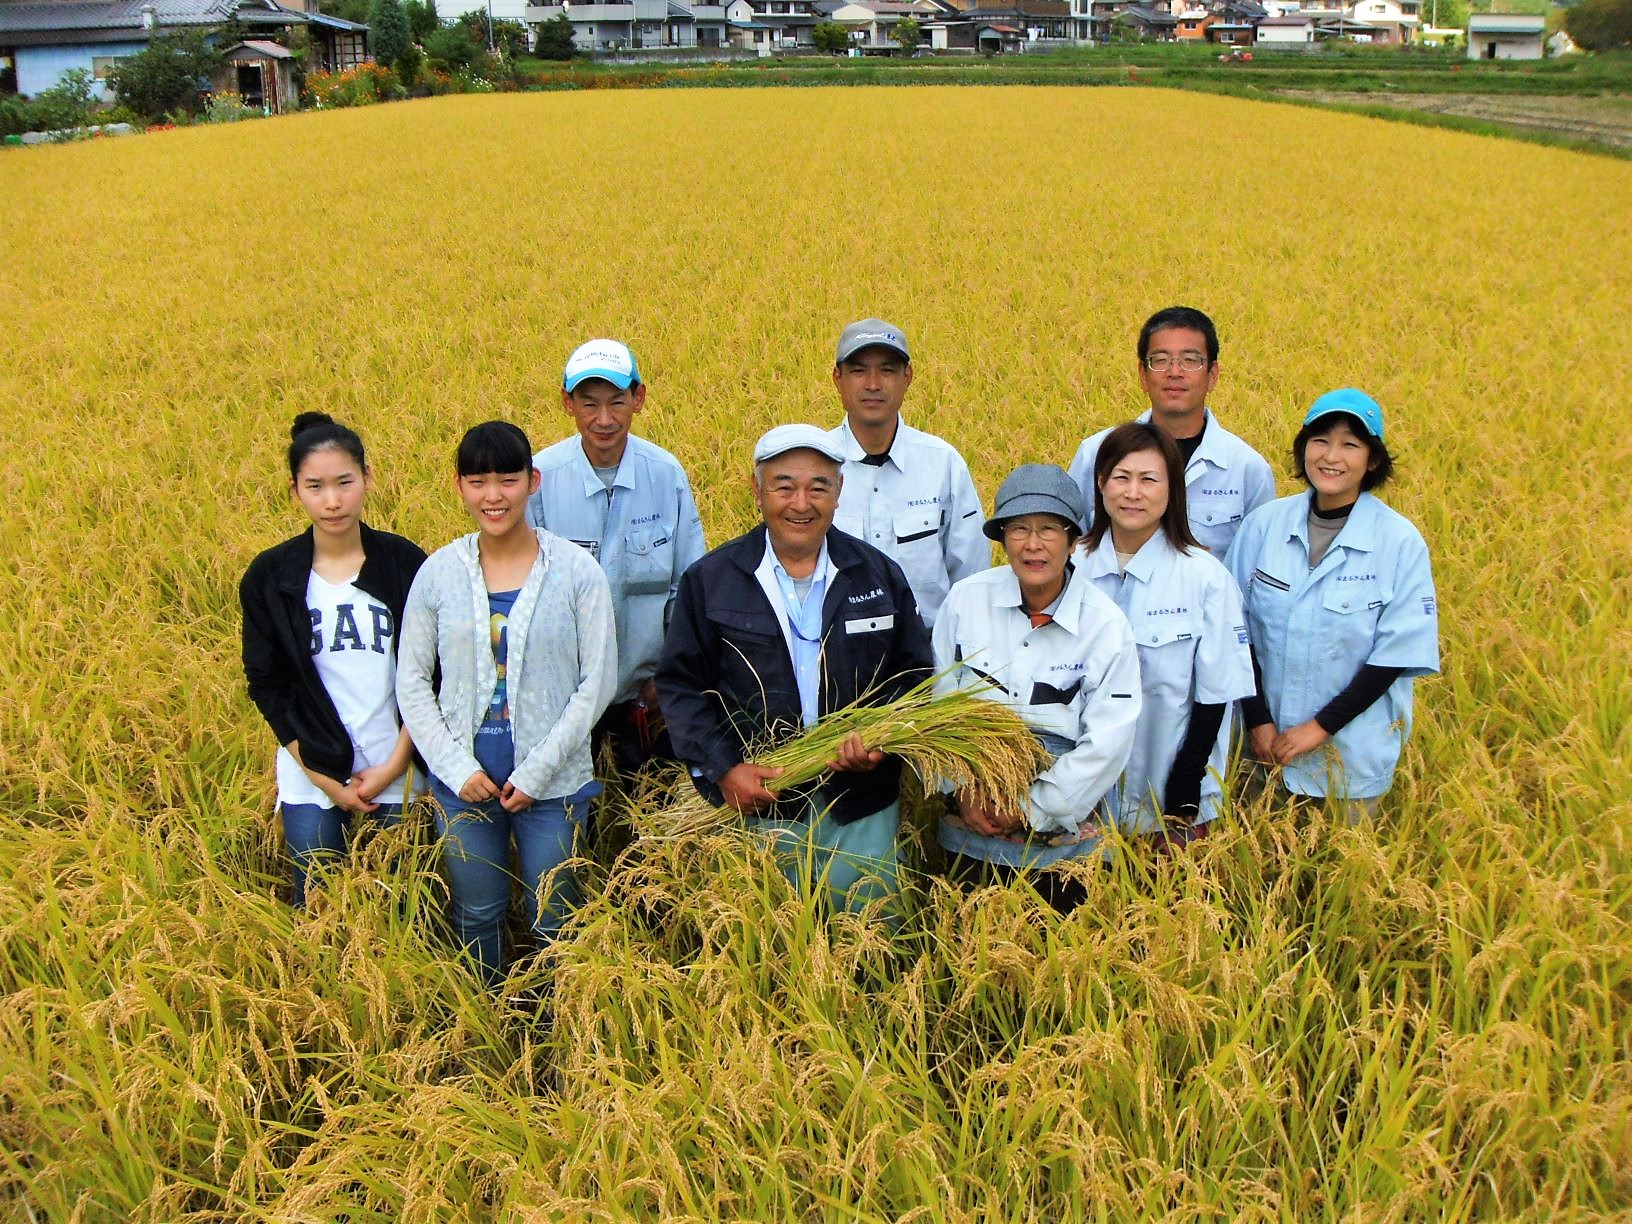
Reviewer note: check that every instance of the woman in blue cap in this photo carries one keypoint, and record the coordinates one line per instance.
(1341, 610)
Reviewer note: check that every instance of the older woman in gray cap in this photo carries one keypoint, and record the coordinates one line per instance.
(1038, 637)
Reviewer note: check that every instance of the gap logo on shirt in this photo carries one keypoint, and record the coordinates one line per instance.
(347, 634)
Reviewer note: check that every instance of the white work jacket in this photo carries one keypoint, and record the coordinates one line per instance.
(1185, 613)
(919, 508)
(1224, 481)
(1074, 681)
(644, 531)
(1370, 600)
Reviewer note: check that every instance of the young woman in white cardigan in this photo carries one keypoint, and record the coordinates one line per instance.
(520, 623)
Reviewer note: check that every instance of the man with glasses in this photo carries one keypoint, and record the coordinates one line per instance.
(1224, 478)
(772, 632)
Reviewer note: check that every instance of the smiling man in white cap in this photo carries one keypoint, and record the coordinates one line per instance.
(906, 492)
(629, 503)
(772, 632)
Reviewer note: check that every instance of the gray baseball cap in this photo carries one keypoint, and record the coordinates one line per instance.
(1035, 488)
(867, 332)
(784, 438)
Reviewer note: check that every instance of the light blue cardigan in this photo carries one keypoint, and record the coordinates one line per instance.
(560, 673)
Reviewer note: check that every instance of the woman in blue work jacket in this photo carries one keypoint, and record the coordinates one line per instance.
(1341, 611)
(1185, 612)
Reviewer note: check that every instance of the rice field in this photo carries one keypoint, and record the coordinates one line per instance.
(1429, 1019)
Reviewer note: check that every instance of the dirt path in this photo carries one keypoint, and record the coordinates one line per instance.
(1602, 120)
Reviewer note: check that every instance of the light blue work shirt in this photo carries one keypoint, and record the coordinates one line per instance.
(1224, 481)
(1185, 613)
(801, 622)
(644, 531)
(1370, 600)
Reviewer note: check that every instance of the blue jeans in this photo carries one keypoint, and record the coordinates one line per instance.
(316, 834)
(477, 838)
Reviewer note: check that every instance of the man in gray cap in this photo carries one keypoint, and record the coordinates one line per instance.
(1062, 655)
(906, 492)
(773, 631)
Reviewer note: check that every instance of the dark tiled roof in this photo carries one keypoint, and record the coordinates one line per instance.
(69, 15)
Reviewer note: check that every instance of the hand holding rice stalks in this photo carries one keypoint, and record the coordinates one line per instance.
(958, 737)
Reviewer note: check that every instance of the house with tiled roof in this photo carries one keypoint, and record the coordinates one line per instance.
(45, 38)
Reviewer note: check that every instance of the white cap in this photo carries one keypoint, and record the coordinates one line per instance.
(608, 359)
(784, 438)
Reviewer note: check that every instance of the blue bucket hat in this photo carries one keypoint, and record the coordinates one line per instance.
(1356, 403)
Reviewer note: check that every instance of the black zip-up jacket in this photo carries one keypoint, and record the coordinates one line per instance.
(283, 679)
(726, 679)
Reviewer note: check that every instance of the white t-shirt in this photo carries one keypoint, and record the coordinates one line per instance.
(352, 638)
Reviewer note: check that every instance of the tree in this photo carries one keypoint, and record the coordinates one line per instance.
(170, 75)
(422, 18)
(510, 38)
(67, 104)
(907, 35)
(387, 30)
(1600, 25)
(451, 47)
(555, 39)
(831, 37)
(349, 10)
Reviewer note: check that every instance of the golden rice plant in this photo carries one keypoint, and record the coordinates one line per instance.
(961, 737)
(1425, 1019)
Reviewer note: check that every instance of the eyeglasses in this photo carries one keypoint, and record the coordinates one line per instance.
(1047, 533)
(1190, 363)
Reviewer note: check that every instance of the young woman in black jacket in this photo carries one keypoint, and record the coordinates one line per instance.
(320, 646)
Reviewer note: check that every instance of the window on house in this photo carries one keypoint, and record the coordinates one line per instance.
(101, 65)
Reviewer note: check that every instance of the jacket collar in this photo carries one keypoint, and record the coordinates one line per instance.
(295, 565)
(855, 453)
(1214, 448)
(587, 475)
(1067, 604)
(1359, 532)
(844, 552)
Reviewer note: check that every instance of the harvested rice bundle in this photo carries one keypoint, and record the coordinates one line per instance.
(959, 737)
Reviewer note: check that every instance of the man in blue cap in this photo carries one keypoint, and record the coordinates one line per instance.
(629, 504)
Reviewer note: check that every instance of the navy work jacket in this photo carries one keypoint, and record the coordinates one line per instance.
(726, 680)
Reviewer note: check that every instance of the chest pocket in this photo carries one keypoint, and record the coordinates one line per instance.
(648, 560)
(1215, 508)
(913, 527)
(1167, 653)
(1349, 615)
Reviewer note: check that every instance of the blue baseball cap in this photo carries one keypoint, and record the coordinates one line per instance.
(608, 359)
(1355, 403)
